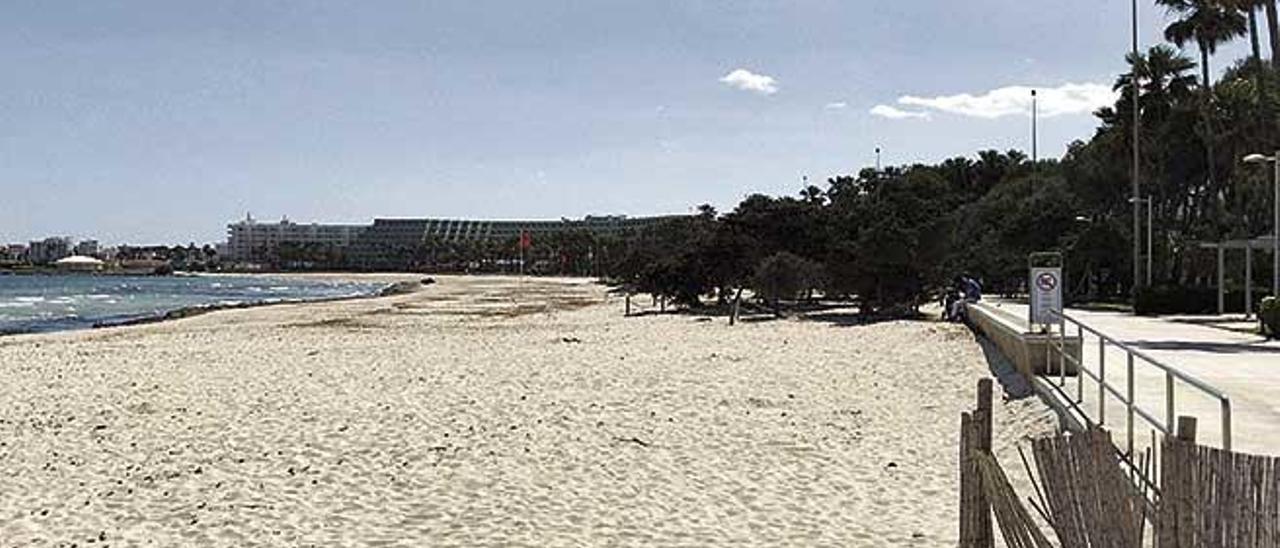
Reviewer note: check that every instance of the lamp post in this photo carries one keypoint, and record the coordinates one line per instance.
(1035, 155)
(1150, 250)
(1133, 83)
(1275, 222)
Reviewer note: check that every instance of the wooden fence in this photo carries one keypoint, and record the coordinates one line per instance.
(975, 440)
(1086, 497)
(1089, 498)
(1212, 498)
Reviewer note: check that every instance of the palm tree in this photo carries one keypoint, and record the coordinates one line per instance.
(1250, 7)
(1165, 81)
(1208, 23)
(1167, 86)
(1273, 30)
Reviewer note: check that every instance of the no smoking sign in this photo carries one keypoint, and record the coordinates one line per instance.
(1046, 281)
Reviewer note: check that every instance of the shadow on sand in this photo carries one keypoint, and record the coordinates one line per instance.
(1014, 384)
(836, 313)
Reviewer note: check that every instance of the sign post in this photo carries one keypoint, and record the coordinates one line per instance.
(1044, 286)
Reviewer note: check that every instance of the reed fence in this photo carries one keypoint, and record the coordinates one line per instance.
(1212, 498)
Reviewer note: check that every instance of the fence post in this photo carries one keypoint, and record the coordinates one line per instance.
(1183, 501)
(628, 311)
(984, 536)
(1174, 520)
(1187, 429)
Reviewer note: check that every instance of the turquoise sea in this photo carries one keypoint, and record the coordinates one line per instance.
(42, 303)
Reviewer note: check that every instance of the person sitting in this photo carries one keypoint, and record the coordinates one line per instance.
(953, 300)
(972, 289)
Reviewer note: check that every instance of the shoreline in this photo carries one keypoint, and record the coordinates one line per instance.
(385, 288)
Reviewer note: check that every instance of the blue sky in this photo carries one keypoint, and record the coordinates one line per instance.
(160, 121)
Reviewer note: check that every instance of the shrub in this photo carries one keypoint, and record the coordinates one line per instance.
(1172, 299)
(784, 276)
(1269, 314)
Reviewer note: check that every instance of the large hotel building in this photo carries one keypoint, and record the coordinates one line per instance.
(382, 244)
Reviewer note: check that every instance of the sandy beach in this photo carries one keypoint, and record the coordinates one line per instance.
(489, 411)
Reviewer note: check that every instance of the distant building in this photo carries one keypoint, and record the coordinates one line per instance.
(13, 253)
(392, 243)
(48, 250)
(251, 241)
(87, 248)
(79, 263)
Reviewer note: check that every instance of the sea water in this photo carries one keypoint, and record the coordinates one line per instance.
(42, 303)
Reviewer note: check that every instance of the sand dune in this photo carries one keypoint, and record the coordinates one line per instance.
(488, 411)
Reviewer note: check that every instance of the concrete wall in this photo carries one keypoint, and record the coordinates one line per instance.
(1026, 350)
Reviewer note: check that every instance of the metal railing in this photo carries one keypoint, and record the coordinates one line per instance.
(1132, 410)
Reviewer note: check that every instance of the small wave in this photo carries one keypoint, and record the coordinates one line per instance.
(29, 299)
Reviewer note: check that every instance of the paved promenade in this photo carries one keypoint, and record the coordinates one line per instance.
(1218, 350)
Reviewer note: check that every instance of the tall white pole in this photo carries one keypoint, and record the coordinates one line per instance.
(1035, 151)
(1133, 83)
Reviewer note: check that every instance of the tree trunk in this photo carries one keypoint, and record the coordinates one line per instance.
(737, 305)
(1273, 31)
(1253, 35)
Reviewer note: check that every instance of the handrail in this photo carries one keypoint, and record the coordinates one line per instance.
(1190, 379)
(1133, 409)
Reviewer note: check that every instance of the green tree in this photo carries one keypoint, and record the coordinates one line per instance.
(784, 276)
(1207, 23)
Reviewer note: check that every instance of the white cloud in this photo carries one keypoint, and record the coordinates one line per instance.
(894, 113)
(836, 105)
(1016, 100)
(746, 80)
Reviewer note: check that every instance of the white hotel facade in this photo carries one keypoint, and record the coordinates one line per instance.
(250, 240)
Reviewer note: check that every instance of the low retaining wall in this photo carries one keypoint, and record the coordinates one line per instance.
(1025, 349)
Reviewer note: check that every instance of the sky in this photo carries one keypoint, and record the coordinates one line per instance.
(159, 122)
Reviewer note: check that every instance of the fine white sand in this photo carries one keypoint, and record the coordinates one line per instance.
(489, 411)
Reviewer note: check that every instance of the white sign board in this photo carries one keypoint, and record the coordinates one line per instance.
(1046, 294)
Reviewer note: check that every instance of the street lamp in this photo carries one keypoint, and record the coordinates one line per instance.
(1150, 251)
(1035, 155)
(1275, 224)
(1137, 124)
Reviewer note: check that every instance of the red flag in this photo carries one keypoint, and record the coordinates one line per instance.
(526, 240)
